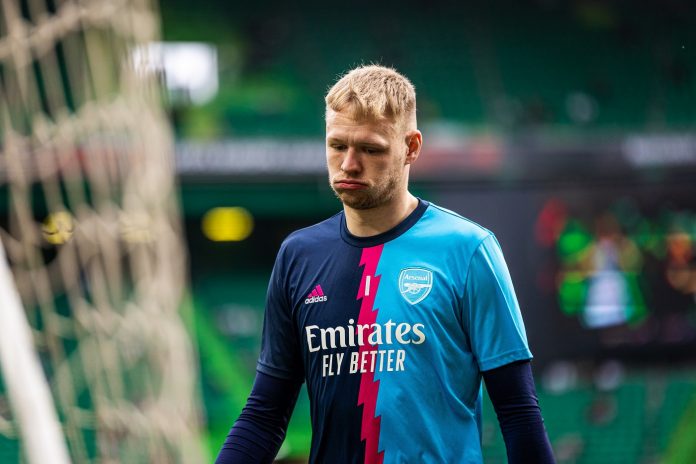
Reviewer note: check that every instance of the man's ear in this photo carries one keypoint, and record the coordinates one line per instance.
(414, 142)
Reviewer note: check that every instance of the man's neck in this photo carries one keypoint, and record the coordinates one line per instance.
(374, 221)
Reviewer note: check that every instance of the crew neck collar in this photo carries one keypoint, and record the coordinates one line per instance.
(384, 237)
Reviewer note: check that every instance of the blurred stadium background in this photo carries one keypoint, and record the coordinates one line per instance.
(567, 128)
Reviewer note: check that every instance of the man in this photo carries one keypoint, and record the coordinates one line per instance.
(392, 311)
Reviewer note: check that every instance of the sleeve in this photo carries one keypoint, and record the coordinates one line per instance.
(280, 351)
(512, 392)
(261, 427)
(492, 315)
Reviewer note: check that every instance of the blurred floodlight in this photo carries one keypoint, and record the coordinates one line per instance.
(190, 69)
(227, 224)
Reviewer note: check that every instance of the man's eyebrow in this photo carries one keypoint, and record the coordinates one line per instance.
(372, 142)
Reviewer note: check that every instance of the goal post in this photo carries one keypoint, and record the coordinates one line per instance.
(27, 389)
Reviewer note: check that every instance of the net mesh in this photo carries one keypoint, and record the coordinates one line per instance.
(91, 229)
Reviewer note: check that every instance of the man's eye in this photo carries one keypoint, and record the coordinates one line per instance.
(338, 147)
(373, 151)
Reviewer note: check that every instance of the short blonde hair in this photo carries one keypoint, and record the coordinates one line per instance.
(374, 92)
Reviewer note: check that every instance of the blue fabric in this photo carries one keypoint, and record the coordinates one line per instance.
(260, 429)
(491, 315)
(391, 333)
(512, 392)
(471, 323)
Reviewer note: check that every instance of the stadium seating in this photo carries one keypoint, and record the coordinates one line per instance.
(625, 425)
(566, 67)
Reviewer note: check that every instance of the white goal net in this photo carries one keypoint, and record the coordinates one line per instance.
(90, 229)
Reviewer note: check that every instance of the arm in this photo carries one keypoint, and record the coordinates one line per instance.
(512, 392)
(260, 429)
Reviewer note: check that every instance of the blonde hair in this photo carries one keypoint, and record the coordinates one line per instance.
(374, 92)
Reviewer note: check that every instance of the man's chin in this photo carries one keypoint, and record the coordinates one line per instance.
(358, 200)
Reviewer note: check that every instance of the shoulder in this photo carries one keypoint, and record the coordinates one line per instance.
(309, 238)
(443, 224)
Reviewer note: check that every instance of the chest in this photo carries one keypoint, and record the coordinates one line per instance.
(387, 290)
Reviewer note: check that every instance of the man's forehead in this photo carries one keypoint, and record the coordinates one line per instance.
(341, 124)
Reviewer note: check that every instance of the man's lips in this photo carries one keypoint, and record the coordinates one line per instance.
(349, 184)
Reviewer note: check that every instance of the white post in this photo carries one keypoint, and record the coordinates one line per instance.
(27, 388)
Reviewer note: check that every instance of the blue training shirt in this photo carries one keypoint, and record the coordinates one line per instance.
(391, 334)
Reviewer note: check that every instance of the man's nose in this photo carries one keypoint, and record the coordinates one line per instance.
(351, 161)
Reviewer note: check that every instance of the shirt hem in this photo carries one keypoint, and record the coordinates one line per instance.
(505, 358)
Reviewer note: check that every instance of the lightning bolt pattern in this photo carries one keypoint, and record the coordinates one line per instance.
(369, 388)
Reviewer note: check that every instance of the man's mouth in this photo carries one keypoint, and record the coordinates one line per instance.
(346, 184)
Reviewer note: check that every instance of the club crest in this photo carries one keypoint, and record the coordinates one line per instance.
(415, 284)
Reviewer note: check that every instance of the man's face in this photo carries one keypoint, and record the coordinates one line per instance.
(366, 160)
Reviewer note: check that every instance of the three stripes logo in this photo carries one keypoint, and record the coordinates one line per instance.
(315, 296)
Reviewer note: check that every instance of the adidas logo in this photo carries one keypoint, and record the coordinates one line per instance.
(315, 296)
